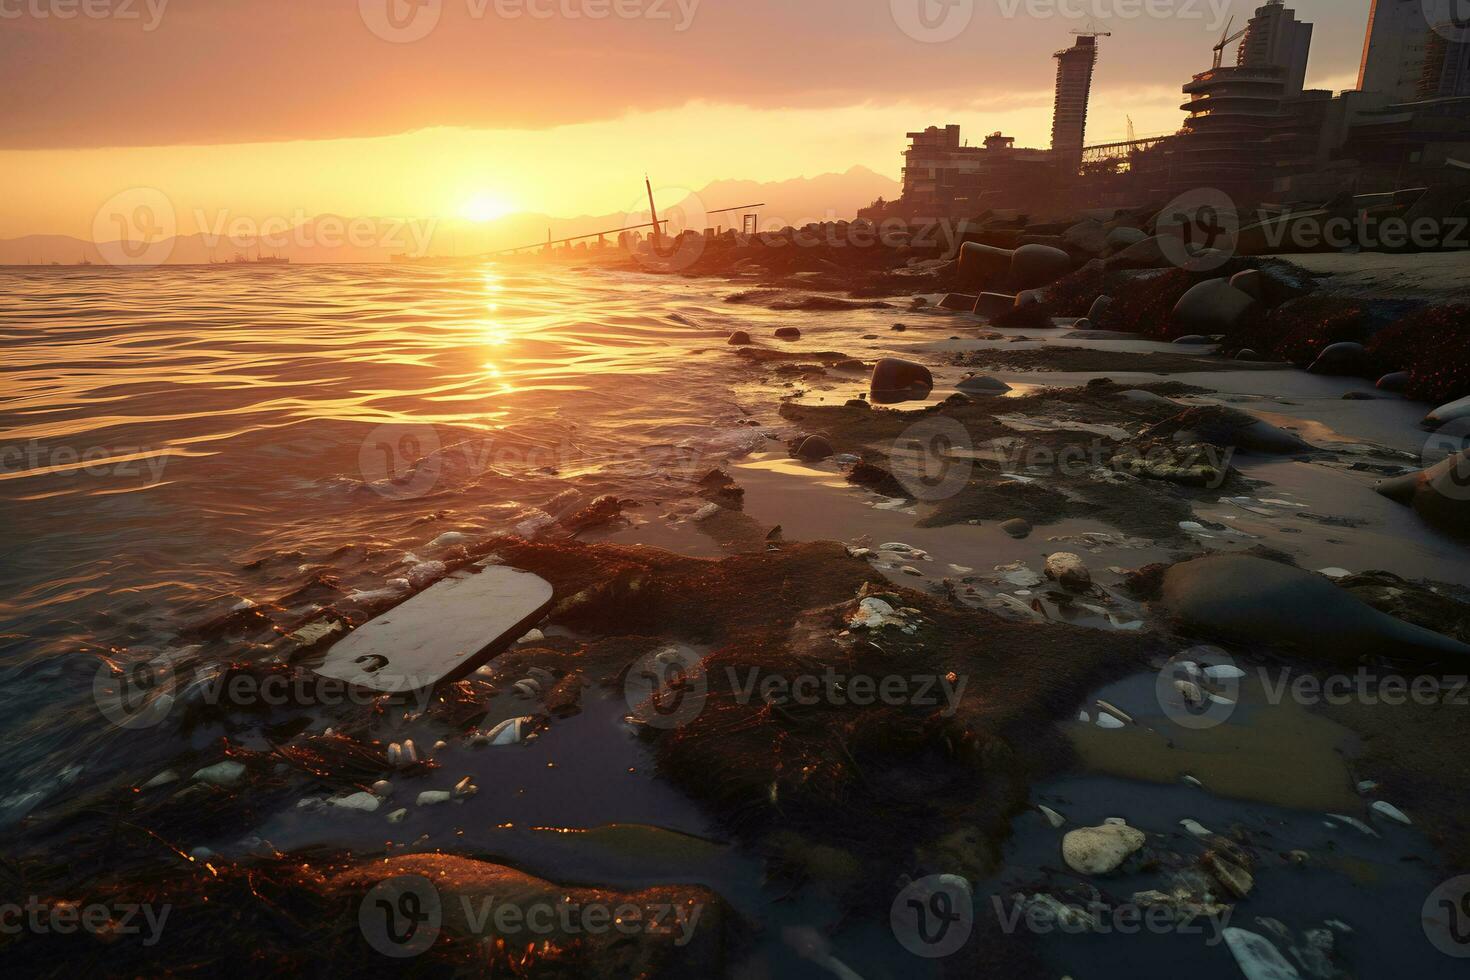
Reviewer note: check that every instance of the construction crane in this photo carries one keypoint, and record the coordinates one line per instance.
(1131, 134)
(1227, 41)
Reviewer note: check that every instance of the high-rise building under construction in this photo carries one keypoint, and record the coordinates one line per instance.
(1074, 88)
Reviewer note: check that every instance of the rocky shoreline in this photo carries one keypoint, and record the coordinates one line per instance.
(1097, 559)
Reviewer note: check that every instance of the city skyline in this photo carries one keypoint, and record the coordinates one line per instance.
(458, 164)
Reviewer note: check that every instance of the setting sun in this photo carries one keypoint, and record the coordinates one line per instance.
(485, 207)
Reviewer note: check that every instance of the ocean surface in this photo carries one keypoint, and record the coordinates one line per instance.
(181, 442)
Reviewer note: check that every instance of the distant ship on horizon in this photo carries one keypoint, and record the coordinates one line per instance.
(260, 259)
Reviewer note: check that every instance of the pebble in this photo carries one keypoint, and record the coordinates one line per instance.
(535, 636)
(1068, 569)
(788, 333)
(382, 787)
(448, 539)
(1016, 527)
(1195, 827)
(366, 802)
(1100, 850)
(706, 512)
(397, 815)
(433, 797)
(465, 788)
(1052, 817)
(201, 854)
(739, 338)
(911, 570)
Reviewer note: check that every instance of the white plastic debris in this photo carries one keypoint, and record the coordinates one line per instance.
(225, 773)
(162, 779)
(1391, 812)
(1256, 957)
(874, 614)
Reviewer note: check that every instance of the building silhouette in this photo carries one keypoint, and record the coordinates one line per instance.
(1074, 87)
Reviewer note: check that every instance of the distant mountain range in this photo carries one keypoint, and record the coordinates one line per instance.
(333, 238)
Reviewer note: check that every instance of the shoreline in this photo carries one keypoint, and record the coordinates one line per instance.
(853, 801)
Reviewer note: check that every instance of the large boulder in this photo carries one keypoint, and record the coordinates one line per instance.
(1252, 283)
(982, 266)
(1124, 236)
(1033, 266)
(1343, 358)
(896, 380)
(1210, 307)
(1253, 600)
(1221, 426)
(1439, 494)
(1147, 253)
(1087, 236)
(994, 304)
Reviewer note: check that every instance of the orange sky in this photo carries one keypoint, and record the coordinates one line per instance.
(268, 108)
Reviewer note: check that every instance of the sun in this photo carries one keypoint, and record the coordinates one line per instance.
(485, 207)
